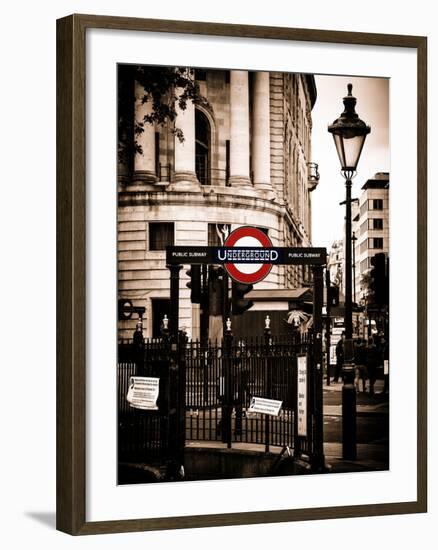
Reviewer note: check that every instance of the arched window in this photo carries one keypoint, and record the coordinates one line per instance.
(203, 146)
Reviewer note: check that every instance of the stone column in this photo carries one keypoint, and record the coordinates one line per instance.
(144, 163)
(239, 129)
(185, 171)
(260, 133)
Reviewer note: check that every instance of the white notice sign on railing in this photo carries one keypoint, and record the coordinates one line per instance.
(265, 406)
(143, 392)
(302, 395)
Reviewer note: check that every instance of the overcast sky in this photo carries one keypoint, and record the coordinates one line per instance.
(373, 107)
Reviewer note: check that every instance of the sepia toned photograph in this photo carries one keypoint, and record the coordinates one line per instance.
(253, 274)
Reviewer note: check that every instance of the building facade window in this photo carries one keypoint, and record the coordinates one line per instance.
(161, 235)
(363, 208)
(363, 246)
(214, 230)
(227, 163)
(202, 148)
(363, 227)
(376, 204)
(200, 75)
(375, 223)
(375, 243)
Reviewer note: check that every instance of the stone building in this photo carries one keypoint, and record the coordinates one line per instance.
(335, 264)
(245, 160)
(371, 226)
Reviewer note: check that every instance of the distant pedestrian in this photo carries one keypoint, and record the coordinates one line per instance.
(372, 362)
(339, 357)
(360, 369)
(137, 337)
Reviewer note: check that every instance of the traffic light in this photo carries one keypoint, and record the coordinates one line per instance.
(379, 280)
(238, 302)
(216, 290)
(333, 296)
(194, 283)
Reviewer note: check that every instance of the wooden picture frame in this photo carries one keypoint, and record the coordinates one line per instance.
(71, 273)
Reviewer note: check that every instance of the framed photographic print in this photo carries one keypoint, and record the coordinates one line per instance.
(241, 229)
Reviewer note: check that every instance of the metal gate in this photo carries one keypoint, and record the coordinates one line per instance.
(220, 381)
(141, 434)
(206, 390)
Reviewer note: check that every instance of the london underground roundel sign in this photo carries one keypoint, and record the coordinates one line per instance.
(242, 237)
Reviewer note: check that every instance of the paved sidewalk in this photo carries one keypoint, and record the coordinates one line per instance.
(366, 404)
(337, 386)
(361, 410)
(370, 456)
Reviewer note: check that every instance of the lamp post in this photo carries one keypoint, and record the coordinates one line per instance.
(349, 134)
(328, 321)
(353, 242)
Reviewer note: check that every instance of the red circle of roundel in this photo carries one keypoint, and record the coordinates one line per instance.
(264, 240)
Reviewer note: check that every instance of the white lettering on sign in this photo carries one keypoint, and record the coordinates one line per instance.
(247, 255)
(302, 395)
(332, 355)
(143, 392)
(265, 406)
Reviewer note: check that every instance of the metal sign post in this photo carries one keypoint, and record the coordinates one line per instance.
(174, 299)
(175, 391)
(318, 291)
(328, 323)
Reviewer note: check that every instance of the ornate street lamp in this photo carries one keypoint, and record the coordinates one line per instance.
(349, 134)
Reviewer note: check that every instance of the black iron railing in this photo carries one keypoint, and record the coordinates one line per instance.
(220, 381)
